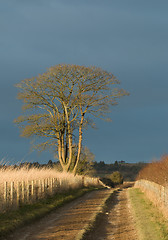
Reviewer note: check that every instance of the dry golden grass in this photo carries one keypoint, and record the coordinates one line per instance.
(23, 185)
(64, 180)
(24, 174)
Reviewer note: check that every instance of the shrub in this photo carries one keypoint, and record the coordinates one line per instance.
(157, 171)
(116, 178)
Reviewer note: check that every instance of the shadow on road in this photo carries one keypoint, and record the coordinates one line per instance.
(104, 222)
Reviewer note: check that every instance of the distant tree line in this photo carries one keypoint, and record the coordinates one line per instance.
(129, 171)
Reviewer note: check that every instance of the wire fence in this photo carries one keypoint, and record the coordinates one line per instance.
(156, 193)
(17, 193)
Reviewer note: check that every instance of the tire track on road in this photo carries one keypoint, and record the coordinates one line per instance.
(116, 223)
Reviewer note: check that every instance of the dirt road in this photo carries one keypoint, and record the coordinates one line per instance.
(116, 222)
(71, 221)
(68, 222)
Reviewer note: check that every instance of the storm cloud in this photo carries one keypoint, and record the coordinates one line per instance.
(127, 38)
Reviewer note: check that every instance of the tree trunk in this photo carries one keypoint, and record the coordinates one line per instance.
(79, 144)
(60, 155)
(62, 148)
(70, 147)
(69, 138)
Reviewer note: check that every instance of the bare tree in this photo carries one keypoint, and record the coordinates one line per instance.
(58, 101)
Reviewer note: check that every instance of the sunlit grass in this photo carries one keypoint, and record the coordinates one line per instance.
(20, 186)
(71, 187)
(23, 174)
(149, 221)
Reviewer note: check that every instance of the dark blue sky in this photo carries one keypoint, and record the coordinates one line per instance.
(127, 38)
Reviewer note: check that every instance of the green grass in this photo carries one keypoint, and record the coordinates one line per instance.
(150, 223)
(11, 220)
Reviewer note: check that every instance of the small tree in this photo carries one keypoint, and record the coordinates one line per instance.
(58, 102)
(116, 178)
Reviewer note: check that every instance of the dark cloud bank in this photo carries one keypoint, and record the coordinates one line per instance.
(128, 39)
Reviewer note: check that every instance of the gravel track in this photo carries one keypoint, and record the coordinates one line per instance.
(116, 222)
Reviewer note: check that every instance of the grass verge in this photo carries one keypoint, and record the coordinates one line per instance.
(150, 223)
(11, 220)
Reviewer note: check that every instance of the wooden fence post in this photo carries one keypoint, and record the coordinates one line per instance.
(32, 190)
(48, 185)
(5, 191)
(12, 193)
(55, 184)
(43, 186)
(23, 191)
(36, 190)
(28, 192)
(40, 188)
(18, 193)
(52, 180)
